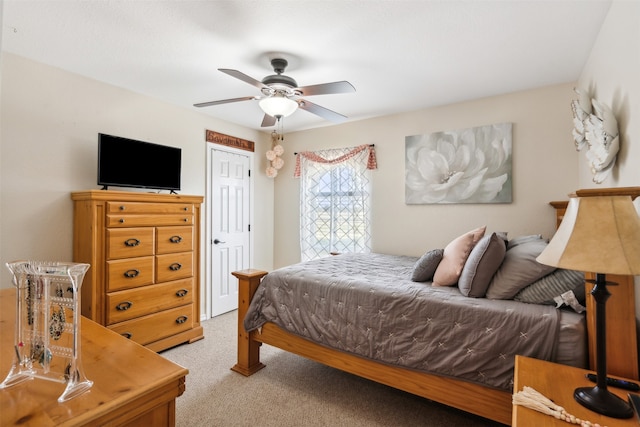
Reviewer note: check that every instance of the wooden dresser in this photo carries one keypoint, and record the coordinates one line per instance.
(143, 248)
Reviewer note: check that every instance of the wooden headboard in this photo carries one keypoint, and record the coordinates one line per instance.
(622, 341)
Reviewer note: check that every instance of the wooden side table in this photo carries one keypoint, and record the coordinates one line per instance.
(557, 382)
(132, 385)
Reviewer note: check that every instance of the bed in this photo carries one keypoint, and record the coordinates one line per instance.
(442, 345)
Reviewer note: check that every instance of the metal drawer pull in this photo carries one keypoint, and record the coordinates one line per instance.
(121, 221)
(132, 242)
(182, 319)
(181, 292)
(175, 266)
(131, 273)
(186, 220)
(127, 334)
(122, 207)
(175, 239)
(123, 306)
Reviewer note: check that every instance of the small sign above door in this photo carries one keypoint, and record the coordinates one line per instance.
(229, 141)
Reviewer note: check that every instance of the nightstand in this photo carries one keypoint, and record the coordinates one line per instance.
(557, 382)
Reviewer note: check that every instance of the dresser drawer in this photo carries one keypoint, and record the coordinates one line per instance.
(174, 266)
(137, 220)
(174, 239)
(154, 327)
(148, 208)
(130, 273)
(130, 242)
(132, 303)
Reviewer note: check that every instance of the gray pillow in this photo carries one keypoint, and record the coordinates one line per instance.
(519, 269)
(503, 236)
(523, 239)
(544, 290)
(426, 266)
(483, 262)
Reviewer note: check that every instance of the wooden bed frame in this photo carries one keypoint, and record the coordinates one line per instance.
(474, 398)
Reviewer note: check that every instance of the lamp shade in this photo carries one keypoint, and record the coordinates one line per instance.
(598, 235)
(278, 106)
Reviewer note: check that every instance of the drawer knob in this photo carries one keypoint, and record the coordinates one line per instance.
(121, 221)
(131, 273)
(182, 292)
(186, 220)
(132, 242)
(122, 207)
(185, 209)
(182, 319)
(127, 335)
(175, 239)
(175, 266)
(123, 306)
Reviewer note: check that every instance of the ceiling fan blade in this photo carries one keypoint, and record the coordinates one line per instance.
(224, 101)
(242, 76)
(268, 121)
(327, 88)
(325, 113)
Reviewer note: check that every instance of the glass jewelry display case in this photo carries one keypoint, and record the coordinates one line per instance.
(47, 326)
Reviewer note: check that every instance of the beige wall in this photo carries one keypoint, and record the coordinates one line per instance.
(1, 258)
(545, 168)
(50, 122)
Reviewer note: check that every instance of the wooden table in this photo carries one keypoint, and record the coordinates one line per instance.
(132, 385)
(557, 382)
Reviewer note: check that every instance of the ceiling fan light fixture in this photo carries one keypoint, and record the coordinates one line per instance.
(278, 106)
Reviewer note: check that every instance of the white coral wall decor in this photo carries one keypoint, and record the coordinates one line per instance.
(581, 109)
(596, 128)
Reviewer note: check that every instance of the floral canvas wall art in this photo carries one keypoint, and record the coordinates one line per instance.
(470, 165)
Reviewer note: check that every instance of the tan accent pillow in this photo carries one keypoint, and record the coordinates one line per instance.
(454, 257)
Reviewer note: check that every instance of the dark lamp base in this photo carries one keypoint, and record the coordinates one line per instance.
(603, 402)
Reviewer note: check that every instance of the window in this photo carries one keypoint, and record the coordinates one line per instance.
(335, 201)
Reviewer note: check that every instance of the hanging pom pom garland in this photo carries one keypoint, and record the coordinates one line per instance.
(275, 155)
(277, 163)
(533, 399)
(271, 172)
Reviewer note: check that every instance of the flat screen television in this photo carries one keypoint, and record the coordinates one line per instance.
(124, 162)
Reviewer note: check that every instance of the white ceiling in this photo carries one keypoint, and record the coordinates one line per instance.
(400, 55)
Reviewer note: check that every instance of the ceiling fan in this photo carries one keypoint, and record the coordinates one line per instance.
(281, 95)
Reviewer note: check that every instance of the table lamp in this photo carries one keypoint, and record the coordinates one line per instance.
(601, 235)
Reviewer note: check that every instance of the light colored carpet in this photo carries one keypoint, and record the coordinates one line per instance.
(290, 391)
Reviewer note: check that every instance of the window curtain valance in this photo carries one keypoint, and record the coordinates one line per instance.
(335, 193)
(372, 162)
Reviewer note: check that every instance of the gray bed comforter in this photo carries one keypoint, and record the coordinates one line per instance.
(366, 304)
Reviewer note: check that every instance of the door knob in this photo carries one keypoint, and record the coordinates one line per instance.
(216, 241)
